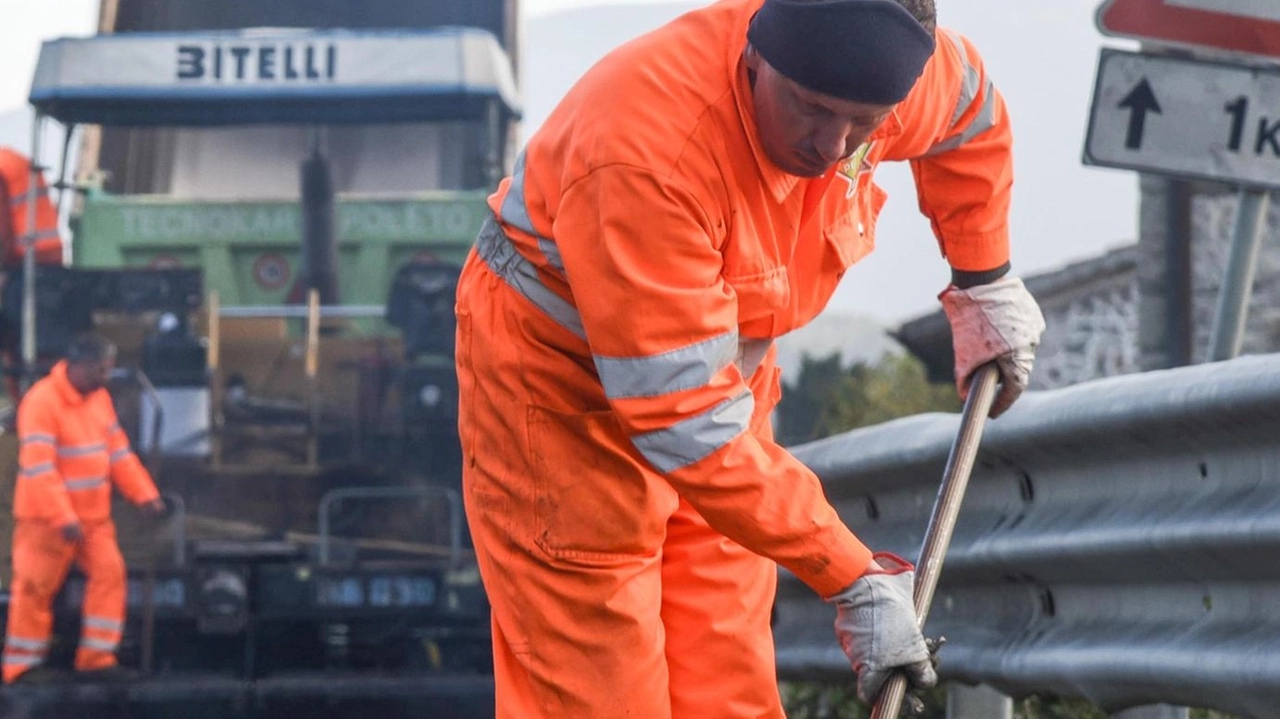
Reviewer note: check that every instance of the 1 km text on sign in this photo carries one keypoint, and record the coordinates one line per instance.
(1186, 118)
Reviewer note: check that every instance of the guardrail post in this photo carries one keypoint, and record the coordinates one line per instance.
(977, 702)
(1154, 711)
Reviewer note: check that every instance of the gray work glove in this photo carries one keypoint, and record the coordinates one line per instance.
(997, 322)
(876, 626)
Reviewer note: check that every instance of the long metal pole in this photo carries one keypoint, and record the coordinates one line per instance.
(311, 367)
(1237, 281)
(943, 520)
(215, 380)
(29, 260)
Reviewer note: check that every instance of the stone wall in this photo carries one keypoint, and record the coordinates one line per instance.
(1091, 320)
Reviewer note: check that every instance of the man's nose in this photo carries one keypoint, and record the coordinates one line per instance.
(831, 146)
(835, 141)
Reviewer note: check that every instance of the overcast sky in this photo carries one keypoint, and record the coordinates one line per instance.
(1063, 212)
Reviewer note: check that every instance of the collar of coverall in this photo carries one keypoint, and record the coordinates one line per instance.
(870, 51)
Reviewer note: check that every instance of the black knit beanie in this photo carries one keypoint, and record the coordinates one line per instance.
(870, 51)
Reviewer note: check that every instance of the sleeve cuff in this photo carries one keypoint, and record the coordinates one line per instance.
(964, 279)
(978, 252)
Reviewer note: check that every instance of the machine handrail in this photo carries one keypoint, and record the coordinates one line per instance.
(299, 310)
(452, 496)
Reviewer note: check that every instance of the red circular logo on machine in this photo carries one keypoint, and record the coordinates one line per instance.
(271, 271)
(424, 256)
(164, 262)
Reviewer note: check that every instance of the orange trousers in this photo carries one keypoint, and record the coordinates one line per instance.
(611, 596)
(41, 559)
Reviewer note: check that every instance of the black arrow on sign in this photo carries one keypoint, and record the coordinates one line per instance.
(1140, 101)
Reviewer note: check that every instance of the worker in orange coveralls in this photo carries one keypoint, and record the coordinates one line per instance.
(72, 450)
(16, 214)
(698, 193)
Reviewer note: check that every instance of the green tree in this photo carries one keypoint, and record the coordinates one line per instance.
(827, 399)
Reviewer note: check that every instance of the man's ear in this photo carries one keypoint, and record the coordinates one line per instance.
(752, 57)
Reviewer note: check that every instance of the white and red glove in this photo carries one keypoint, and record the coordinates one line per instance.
(877, 628)
(997, 322)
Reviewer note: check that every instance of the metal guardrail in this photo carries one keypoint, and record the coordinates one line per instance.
(1119, 540)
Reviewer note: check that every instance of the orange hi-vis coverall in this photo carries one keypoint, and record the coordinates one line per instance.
(72, 450)
(15, 178)
(617, 370)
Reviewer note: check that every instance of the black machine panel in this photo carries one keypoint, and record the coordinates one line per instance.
(421, 304)
(64, 308)
(67, 297)
(141, 290)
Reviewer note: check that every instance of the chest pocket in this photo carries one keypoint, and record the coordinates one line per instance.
(852, 237)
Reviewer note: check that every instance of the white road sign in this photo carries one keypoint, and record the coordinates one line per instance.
(1205, 120)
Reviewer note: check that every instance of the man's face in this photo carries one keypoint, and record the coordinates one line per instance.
(90, 375)
(805, 132)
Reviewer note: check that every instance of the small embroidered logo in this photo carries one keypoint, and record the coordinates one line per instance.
(854, 166)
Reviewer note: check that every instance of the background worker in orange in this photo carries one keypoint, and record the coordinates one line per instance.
(17, 232)
(72, 450)
(698, 193)
(16, 214)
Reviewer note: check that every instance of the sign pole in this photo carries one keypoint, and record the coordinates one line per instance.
(1237, 281)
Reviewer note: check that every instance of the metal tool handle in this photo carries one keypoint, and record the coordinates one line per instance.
(943, 520)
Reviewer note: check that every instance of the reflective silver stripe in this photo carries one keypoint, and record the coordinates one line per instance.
(686, 442)
(23, 660)
(500, 255)
(37, 470)
(76, 485)
(751, 353)
(99, 644)
(39, 438)
(514, 212)
(41, 235)
(20, 199)
(984, 119)
(119, 454)
(684, 368)
(552, 253)
(969, 88)
(103, 623)
(81, 450)
(30, 645)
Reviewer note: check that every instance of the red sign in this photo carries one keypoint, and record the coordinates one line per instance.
(1249, 26)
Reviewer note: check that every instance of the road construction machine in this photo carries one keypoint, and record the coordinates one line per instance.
(268, 206)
